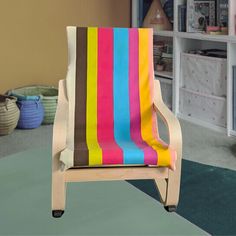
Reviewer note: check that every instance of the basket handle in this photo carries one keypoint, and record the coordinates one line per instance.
(6, 103)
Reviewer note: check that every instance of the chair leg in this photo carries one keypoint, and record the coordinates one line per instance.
(58, 194)
(172, 191)
(171, 208)
(165, 191)
(161, 185)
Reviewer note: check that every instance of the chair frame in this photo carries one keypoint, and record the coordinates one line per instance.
(167, 181)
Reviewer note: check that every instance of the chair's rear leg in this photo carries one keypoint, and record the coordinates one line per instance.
(161, 185)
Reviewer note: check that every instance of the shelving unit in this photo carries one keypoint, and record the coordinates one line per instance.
(183, 41)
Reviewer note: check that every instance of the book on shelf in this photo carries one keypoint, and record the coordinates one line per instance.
(234, 97)
(200, 14)
(182, 18)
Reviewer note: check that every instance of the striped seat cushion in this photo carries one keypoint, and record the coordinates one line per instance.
(110, 90)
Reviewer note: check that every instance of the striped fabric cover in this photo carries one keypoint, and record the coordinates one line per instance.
(110, 90)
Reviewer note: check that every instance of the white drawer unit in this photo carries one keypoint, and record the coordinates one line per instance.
(208, 108)
(204, 74)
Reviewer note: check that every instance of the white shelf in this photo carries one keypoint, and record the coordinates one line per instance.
(208, 37)
(198, 36)
(202, 36)
(165, 74)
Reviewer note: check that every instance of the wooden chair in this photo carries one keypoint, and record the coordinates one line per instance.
(105, 126)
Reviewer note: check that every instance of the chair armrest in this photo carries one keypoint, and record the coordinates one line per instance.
(60, 122)
(172, 123)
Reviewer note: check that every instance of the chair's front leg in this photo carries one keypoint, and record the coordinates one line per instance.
(59, 143)
(173, 186)
(175, 142)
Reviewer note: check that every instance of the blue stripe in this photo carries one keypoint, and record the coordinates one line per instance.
(132, 153)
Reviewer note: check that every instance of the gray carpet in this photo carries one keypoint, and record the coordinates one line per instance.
(199, 144)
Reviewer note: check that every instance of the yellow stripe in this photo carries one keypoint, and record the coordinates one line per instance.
(164, 158)
(95, 151)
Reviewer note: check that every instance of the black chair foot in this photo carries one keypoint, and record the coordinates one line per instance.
(57, 213)
(172, 208)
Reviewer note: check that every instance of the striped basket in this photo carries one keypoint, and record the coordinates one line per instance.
(31, 113)
(9, 114)
(49, 96)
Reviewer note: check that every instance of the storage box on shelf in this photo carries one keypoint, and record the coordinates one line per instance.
(204, 74)
(208, 108)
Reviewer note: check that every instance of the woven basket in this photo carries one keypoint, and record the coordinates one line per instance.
(31, 113)
(49, 96)
(9, 114)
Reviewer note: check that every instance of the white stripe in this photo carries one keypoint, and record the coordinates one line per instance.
(70, 84)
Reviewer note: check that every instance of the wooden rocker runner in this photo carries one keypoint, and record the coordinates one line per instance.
(106, 124)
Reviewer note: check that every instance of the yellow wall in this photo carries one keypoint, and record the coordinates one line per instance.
(33, 46)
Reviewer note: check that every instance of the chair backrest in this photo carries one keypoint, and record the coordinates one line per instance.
(110, 85)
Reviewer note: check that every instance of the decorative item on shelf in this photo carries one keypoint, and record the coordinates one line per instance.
(200, 14)
(31, 112)
(9, 114)
(168, 8)
(156, 17)
(217, 30)
(48, 94)
(160, 66)
(211, 29)
(222, 12)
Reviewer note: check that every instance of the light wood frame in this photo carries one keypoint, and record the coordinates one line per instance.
(167, 181)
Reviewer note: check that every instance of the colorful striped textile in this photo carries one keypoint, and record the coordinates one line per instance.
(110, 92)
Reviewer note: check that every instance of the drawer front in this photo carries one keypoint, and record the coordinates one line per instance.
(210, 109)
(202, 74)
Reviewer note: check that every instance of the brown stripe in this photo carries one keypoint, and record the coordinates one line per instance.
(81, 149)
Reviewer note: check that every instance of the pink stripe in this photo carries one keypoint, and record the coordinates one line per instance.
(135, 118)
(111, 152)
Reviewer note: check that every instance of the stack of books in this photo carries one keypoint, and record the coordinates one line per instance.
(158, 48)
(167, 60)
(203, 16)
(163, 56)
